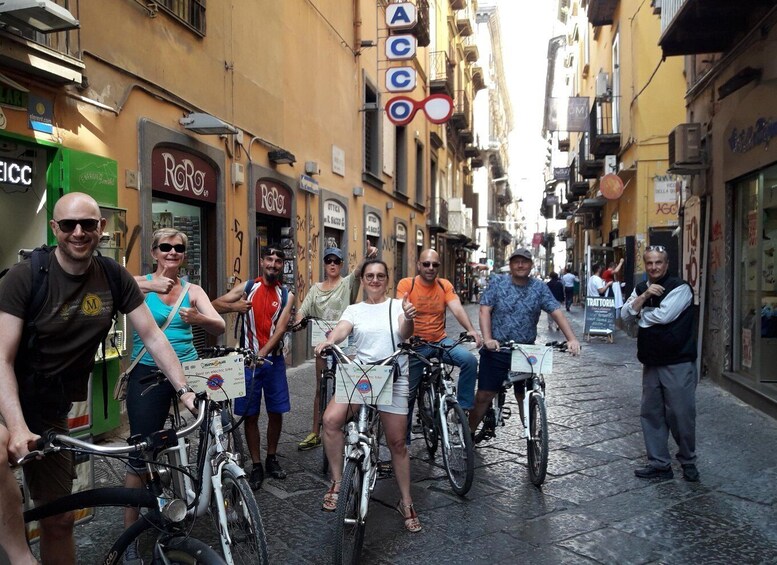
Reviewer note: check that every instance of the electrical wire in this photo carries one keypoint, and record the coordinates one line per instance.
(648, 82)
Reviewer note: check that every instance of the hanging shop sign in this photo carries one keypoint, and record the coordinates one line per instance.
(14, 172)
(401, 15)
(400, 79)
(611, 186)
(401, 47)
(372, 227)
(183, 174)
(334, 215)
(273, 198)
(402, 109)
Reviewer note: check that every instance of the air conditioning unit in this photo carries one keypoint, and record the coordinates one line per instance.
(685, 152)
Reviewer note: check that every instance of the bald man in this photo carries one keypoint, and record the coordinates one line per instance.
(39, 386)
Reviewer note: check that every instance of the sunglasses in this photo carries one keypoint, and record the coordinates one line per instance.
(87, 224)
(376, 276)
(659, 248)
(273, 251)
(332, 261)
(167, 247)
(437, 107)
(428, 264)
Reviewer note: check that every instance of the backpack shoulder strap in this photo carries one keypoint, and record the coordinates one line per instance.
(39, 269)
(112, 271)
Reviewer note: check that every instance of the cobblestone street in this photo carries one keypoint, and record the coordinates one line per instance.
(591, 508)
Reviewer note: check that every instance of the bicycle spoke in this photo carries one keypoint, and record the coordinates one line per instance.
(458, 452)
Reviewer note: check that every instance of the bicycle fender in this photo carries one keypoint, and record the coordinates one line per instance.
(236, 469)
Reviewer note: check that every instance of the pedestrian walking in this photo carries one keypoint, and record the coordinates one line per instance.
(666, 347)
(569, 279)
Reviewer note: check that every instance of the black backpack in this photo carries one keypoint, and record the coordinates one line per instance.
(39, 269)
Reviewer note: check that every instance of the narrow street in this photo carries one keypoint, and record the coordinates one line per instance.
(591, 508)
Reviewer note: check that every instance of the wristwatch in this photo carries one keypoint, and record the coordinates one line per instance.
(183, 390)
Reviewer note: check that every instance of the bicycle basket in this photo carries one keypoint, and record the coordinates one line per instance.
(364, 384)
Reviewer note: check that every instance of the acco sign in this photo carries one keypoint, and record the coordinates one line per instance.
(183, 174)
(401, 16)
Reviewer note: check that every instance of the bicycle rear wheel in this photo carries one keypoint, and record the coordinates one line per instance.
(426, 414)
(349, 526)
(537, 444)
(244, 522)
(185, 551)
(486, 429)
(458, 453)
(325, 394)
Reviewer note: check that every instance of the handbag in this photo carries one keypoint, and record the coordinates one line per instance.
(120, 389)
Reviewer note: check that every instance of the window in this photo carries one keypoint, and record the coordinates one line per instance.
(400, 152)
(191, 13)
(419, 173)
(371, 135)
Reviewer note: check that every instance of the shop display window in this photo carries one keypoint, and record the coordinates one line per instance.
(187, 219)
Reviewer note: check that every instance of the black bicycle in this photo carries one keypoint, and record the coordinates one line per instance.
(443, 420)
(165, 515)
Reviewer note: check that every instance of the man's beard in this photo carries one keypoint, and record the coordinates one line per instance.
(271, 277)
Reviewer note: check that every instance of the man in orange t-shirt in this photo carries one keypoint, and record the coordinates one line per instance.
(431, 296)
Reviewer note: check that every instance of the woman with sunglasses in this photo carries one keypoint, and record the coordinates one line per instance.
(163, 289)
(370, 322)
(327, 300)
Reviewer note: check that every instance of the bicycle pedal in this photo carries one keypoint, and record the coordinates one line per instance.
(506, 413)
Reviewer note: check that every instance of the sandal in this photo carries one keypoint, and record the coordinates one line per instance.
(330, 498)
(412, 523)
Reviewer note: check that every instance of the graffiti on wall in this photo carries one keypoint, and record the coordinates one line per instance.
(237, 264)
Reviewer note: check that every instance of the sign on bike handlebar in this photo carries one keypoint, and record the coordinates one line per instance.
(364, 384)
(221, 377)
(532, 359)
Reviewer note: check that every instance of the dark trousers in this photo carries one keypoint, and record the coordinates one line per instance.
(569, 295)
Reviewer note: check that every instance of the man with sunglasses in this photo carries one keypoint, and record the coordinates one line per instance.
(666, 347)
(266, 308)
(39, 383)
(328, 300)
(431, 296)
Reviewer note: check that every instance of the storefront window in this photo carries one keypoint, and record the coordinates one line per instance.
(756, 244)
(186, 218)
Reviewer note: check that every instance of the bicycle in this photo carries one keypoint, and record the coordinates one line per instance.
(164, 514)
(361, 469)
(533, 412)
(442, 419)
(326, 385)
(217, 485)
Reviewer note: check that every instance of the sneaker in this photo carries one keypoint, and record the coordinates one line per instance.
(310, 442)
(274, 467)
(690, 473)
(256, 478)
(650, 472)
(132, 556)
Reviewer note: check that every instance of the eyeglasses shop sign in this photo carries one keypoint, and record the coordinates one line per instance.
(15, 173)
(372, 227)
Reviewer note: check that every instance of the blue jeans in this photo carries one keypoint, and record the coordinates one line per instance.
(459, 357)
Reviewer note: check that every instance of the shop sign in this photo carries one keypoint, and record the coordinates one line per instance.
(401, 47)
(334, 215)
(308, 184)
(13, 97)
(15, 172)
(611, 186)
(40, 112)
(537, 239)
(743, 140)
(372, 227)
(560, 173)
(665, 189)
(338, 160)
(401, 233)
(419, 238)
(401, 15)
(273, 199)
(183, 174)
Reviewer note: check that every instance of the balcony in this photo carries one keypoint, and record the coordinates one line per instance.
(459, 220)
(458, 4)
(438, 215)
(465, 22)
(588, 166)
(694, 26)
(421, 29)
(471, 52)
(604, 127)
(440, 73)
(471, 151)
(462, 115)
(601, 12)
(577, 187)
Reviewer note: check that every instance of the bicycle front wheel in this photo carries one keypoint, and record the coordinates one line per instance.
(244, 522)
(537, 444)
(185, 551)
(349, 525)
(458, 453)
(426, 415)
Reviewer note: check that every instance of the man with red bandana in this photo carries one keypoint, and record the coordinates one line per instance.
(266, 315)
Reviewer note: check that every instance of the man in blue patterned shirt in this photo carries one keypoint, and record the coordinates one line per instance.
(509, 311)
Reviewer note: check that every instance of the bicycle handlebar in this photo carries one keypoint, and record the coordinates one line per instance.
(512, 345)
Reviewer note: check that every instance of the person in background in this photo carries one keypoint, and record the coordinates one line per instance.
(666, 347)
(432, 296)
(569, 279)
(39, 385)
(610, 274)
(596, 285)
(163, 288)
(267, 311)
(327, 300)
(557, 290)
(371, 322)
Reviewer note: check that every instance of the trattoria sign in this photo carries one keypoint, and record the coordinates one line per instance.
(183, 174)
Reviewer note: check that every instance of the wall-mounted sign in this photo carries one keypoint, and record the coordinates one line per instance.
(372, 227)
(400, 79)
(401, 47)
(401, 15)
(13, 97)
(665, 189)
(40, 112)
(401, 233)
(308, 184)
(560, 173)
(338, 160)
(419, 238)
(760, 133)
(183, 174)
(334, 215)
(401, 110)
(15, 172)
(273, 198)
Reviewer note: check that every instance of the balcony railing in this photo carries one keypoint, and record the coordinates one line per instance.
(438, 215)
(601, 12)
(459, 219)
(589, 166)
(471, 51)
(440, 73)
(605, 127)
(465, 21)
(462, 115)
